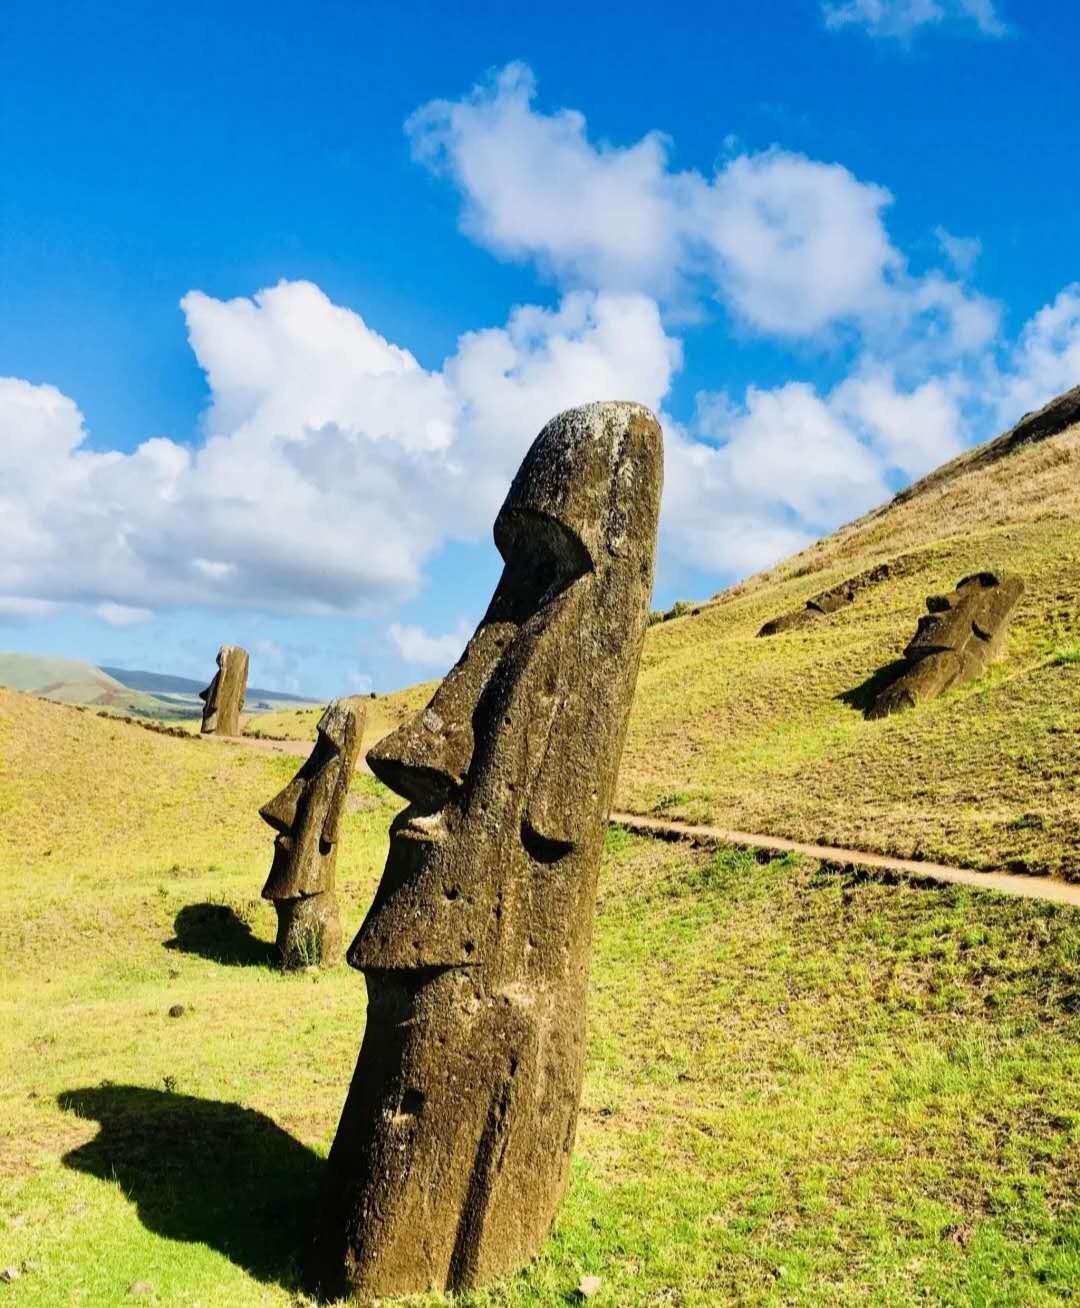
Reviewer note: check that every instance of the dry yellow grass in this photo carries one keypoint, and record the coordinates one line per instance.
(383, 714)
(766, 734)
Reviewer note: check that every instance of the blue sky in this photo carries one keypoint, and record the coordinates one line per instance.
(287, 291)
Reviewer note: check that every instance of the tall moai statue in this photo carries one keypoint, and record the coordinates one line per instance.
(224, 697)
(453, 1150)
(956, 641)
(307, 817)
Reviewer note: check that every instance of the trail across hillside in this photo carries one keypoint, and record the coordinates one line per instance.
(1006, 883)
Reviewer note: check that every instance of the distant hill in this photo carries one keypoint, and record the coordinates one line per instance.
(163, 683)
(123, 690)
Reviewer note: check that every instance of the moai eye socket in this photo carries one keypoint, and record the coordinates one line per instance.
(543, 558)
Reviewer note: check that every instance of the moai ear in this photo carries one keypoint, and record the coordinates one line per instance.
(546, 831)
(346, 761)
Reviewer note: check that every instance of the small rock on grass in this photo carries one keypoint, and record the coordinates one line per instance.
(588, 1286)
(140, 1287)
(177, 1010)
(9, 1274)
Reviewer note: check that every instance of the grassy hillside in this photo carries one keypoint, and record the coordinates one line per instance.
(768, 734)
(382, 714)
(72, 681)
(800, 1088)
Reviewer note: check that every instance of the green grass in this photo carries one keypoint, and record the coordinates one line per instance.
(769, 734)
(801, 1088)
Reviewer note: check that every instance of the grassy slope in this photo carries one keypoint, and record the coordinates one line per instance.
(757, 734)
(72, 681)
(800, 1089)
(381, 716)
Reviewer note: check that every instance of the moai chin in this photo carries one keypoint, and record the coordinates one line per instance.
(956, 641)
(307, 817)
(224, 697)
(453, 1150)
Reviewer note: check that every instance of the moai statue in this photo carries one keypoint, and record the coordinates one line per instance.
(453, 1150)
(307, 817)
(957, 640)
(224, 697)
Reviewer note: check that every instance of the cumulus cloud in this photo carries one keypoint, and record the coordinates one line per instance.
(332, 467)
(899, 18)
(791, 245)
(122, 615)
(1045, 360)
(415, 645)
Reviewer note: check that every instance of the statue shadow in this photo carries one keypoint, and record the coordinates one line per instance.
(203, 1171)
(213, 931)
(862, 697)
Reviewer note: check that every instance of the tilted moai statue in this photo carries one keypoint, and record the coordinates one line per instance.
(453, 1150)
(307, 817)
(224, 697)
(957, 640)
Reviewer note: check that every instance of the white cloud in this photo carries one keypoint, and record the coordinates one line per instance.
(792, 246)
(899, 18)
(961, 251)
(415, 645)
(1045, 360)
(318, 487)
(122, 615)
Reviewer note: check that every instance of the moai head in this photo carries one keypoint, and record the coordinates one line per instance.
(510, 769)
(453, 1149)
(224, 697)
(958, 638)
(307, 813)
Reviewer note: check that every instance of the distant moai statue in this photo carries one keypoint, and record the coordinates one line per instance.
(453, 1150)
(224, 697)
(307, 817)
(957, 640)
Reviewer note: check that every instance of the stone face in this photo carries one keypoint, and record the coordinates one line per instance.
(307, 817)
(957, 640)
(453, 1150)
(224, 697)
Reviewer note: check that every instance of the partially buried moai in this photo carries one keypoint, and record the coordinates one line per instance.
(453, 1150)
(957, 640)
(307, 817)
(224, 697)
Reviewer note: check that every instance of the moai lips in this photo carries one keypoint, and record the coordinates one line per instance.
(957, 640)
(307, 817)
(224, 697)
(453, 1150)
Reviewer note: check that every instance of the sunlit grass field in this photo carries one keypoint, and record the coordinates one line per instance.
(768, 734)
(801, 1088)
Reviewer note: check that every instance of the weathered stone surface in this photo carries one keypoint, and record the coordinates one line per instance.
(957, 640)
(453, 1149)
(836, 597)
(224, 697)
(307, 817)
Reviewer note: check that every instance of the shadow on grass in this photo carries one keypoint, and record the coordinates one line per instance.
(203, 1171)
(862, 697)
(214, 931)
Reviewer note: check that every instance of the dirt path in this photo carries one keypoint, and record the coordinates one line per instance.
(1007, 883)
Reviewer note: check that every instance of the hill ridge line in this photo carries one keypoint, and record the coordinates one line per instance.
(1006, 883)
